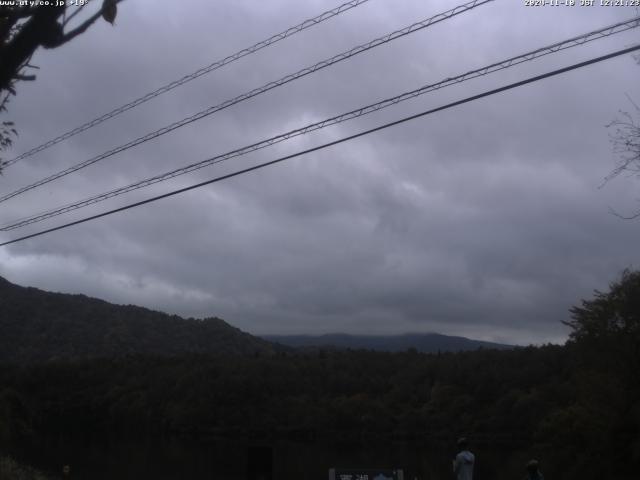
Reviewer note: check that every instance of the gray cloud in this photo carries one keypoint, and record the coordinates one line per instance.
(484, 220)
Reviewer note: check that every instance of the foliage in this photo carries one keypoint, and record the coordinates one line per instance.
(497, 397)
(626, 145)
(605, 348)
(7, 130)
(14, 417)
(40, 326)
(611, 315)
(576, 407)
(11, 470)
(27, 26)
(625, 139)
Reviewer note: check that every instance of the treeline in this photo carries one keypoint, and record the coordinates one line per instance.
(39, 326)
(11, 470)
(529, 398)
(355, 393)
(575, 406)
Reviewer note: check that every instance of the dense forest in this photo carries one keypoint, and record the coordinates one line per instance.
(422, 342)
(576, 406)
(41, 326)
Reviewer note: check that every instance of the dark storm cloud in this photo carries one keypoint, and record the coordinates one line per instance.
(484, 220)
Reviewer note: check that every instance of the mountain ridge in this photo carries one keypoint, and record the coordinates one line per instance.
(37, 325)
(422, 342)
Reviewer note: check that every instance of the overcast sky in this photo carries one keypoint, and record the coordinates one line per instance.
(485, 220)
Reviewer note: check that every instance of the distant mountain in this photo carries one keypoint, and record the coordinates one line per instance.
(37, 326)
(422, 342)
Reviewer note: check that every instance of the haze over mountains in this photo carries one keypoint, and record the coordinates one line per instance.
(422, 342)
(39, 326)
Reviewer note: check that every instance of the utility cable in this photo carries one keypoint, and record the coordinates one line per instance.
(257, 91)
(192, 76)
(531, 55)
(335, 142)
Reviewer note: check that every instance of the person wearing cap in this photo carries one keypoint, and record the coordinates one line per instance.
(533, 471)
(463, 463)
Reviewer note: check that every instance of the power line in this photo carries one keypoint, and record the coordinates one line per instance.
(335, 142)
(257, 91)
(192, 76)
(531, 55)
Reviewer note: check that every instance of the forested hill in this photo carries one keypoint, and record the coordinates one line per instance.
(575, 407)
(422, 342)
(40, 326)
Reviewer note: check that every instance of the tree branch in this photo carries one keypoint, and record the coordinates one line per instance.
(624, 217)
(76, 31)
(77, 11)
(40, 28)
(26, 78)
(80, 29)
(4, 101)
(15, 13)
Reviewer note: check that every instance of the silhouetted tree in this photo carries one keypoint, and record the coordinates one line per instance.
(24, 29)
(626, 145)
(609, 316)
(604, 419)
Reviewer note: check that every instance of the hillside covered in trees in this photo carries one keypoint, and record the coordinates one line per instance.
(422, 342)
(576, 407)
(40, 326)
